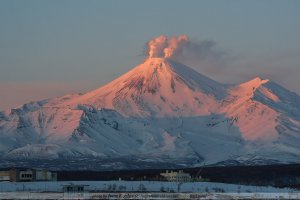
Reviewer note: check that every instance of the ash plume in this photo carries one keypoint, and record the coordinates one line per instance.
(181, 48)
(164, 47)
(203, 54)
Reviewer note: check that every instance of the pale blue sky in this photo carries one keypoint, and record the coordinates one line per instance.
(81, 45)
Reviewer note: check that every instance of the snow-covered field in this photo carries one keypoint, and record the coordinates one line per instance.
(156, 196)
(135, 186)
(192, 190)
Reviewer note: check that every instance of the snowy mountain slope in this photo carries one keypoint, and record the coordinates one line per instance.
(159, 112)
(155, 88)
(256, 120)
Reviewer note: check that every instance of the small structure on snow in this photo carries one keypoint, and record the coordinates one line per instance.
(179, 176)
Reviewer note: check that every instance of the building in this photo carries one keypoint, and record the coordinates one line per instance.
(74, 188)
(5, 175)
(25, 175)
(9, 175)
(74, 191)
(179, 176)
(45, 175)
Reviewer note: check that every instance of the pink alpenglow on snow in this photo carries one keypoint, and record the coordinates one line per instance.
(256, 120)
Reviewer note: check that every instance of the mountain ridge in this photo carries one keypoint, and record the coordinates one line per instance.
(163, 112)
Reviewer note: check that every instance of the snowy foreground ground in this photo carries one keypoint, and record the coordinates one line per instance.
(142, 190)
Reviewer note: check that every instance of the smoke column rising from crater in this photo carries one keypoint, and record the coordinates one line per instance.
(182, 49)
(164, 47)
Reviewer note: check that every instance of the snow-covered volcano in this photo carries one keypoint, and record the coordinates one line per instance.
(158, 87)
(160, 112)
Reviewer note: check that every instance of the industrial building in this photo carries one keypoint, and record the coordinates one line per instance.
(179, 176)
(25, 175)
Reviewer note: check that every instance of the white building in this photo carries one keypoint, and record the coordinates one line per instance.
(26, 175)
(179, 176)
(45, 175)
